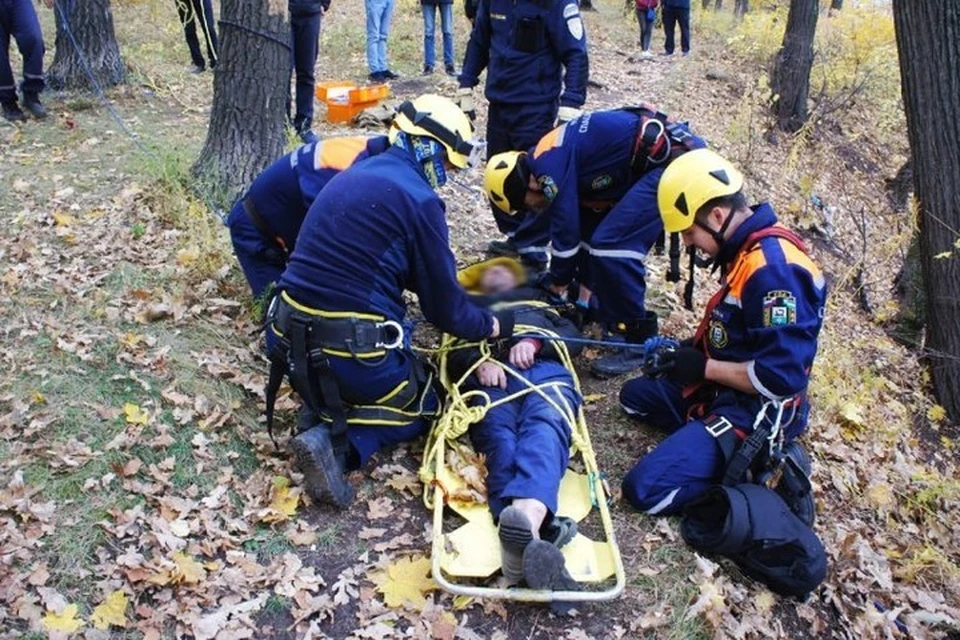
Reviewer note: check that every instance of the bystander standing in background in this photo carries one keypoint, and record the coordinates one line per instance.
(676, 12)
(430, 8)
(192, 13)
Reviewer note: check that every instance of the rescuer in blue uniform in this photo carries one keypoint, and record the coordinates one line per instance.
(526, 442)
(535, 54)
(594, 182)
(19, 19)
(375, 230)
(265, 222)
(749, 362)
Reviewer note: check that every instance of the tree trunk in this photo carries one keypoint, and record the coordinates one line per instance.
(790, 80)
(740, 8)
(250, 89)
(87, 24)
(930, 75)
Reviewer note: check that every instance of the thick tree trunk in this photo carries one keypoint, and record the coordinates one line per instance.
(87, 25)
(250, 89)
(790, 80)
(930, 76)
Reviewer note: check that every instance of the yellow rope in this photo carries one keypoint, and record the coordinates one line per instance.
(459, 414)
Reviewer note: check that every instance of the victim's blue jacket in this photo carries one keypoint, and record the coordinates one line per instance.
(376, 230)
(525, 45)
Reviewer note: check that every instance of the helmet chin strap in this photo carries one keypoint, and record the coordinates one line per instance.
(717, 234)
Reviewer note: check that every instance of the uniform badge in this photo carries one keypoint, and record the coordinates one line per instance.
(548, 186)
(574, 24)
(718, 334)
(779, 309)
(601, 182)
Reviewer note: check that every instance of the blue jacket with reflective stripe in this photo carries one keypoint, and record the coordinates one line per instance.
(525, 45)
(283, 193)
(376, 230)
(588, 162)
(770, 317)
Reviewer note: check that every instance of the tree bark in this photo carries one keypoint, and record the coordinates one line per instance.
(87, 25)
(790, 80)
(250, 89)
(740, 8)
(929, 52)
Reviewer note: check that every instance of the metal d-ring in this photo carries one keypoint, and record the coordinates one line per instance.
(397, 342)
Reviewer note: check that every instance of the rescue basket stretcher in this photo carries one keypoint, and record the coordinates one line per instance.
(464, 557)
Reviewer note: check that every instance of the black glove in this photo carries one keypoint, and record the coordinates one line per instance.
(684, 366)
(506, 320)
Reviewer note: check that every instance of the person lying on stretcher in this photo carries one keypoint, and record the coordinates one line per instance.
(526, 441)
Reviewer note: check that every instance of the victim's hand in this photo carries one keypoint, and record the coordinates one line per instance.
(491, 375)
(524, 353)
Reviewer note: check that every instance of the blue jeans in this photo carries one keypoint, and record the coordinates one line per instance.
(379, 13)
(446, 27)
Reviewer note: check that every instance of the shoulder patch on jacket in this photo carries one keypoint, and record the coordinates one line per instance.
(779, 308)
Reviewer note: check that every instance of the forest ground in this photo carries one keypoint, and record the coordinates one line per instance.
(139, 492)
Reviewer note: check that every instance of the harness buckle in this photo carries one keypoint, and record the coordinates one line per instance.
(397, 342)
(718, 426)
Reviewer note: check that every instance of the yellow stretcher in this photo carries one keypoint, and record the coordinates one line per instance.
(465, 558)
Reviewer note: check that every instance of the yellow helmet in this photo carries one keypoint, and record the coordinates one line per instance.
(439, 118)
(691, 181)
(505, 180)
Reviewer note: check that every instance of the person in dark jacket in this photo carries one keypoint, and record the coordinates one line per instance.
(526, 442)
(19, 19)
(336, 326)
(305, 17)
(676, 12)
(430, 8)
(748, 363)
(535, 54)
(192, 13)
(265, 222)
(594, 183)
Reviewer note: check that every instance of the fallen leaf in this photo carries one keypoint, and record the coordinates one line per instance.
(188, 570)
(405, 581)
(66, 621)
(111, 612)
(134, 414)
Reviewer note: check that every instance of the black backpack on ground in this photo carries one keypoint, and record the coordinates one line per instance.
(754, 527)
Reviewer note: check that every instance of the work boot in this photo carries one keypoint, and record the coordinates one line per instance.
(628, 358)
(12, 112)
(450, 69)
(506, 248)
(515, 536)
(427, 69)
(545, 568)
(31, 102)
(794, 486)
(306, 419)
(323, 475)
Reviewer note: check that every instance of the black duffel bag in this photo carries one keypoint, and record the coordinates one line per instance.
(754, 527)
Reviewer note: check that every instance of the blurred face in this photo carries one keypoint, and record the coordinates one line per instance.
(534, 200)
(497, 279)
